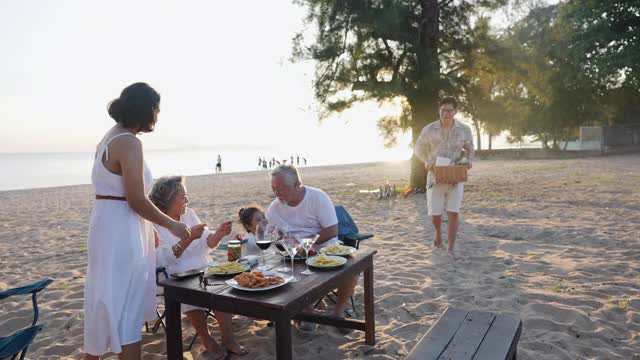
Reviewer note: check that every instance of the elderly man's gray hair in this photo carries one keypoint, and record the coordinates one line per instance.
(164, 191)
(289, 172)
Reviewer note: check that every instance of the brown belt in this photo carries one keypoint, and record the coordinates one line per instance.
(109, 197)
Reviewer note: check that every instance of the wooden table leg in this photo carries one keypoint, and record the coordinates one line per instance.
(283, 338)
(369, 311)
(174, 327)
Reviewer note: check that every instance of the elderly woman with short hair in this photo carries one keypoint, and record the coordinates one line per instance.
(169, 194)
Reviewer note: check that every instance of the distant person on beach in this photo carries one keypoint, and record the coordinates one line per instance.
(298, 160)
(169, 194)
(305, 161)
(259, 162)
(120, 285)
(305, 211)
(445, 138)
(219, 165)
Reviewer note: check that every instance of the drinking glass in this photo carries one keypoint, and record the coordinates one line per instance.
(307, 242)
(263, 240)
(292, 245)
(283, 250)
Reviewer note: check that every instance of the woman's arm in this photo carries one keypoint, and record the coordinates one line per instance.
(214, 238)
(128, 152)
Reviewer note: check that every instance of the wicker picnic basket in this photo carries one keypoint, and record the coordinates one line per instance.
(450, 174)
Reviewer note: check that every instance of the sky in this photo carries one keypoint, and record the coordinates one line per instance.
(222, 69)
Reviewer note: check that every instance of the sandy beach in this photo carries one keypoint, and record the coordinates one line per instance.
(553, 242)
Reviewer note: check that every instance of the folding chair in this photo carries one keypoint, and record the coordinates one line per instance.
(160, 321)
(349, 234)
(348, 231)
(19, 341)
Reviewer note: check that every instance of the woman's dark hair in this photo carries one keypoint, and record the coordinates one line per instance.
(245, 215)
(134, 108)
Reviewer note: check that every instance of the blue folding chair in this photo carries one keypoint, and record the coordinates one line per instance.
(348, 231)
(349, 234)
(12, 345)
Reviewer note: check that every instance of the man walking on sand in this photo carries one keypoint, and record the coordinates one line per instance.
(445, 138)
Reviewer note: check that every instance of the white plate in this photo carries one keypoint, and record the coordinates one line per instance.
(287, 279)
(351, 251)
(209, 272)
(332, 257)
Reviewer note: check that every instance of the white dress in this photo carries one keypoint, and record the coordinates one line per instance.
(120, 287)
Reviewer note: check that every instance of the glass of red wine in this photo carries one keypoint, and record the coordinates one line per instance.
(263, 240)
(283, 251)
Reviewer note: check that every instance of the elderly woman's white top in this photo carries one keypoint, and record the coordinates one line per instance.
(195, 256)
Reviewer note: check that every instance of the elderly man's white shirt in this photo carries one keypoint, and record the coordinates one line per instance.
(314, 213)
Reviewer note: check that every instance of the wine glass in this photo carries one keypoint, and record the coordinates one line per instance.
(292, 245)
(307, 242)
(263, 240)
(283, 250)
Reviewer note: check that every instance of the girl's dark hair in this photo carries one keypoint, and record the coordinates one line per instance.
(245, 215)
(134, 108)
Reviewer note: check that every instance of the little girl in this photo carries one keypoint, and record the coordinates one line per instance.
(250, 216)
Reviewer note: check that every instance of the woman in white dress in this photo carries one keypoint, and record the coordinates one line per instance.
(120, 284)
(169, 194)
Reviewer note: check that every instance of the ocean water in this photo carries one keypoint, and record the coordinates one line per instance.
(37, 170)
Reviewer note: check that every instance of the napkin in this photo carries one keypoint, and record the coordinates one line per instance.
(442, 161)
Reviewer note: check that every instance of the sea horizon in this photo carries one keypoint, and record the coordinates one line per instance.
(37, 170)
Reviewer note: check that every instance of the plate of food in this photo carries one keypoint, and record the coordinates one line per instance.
(325, 261)
(338, 249)
(228, 268)
(258, 281)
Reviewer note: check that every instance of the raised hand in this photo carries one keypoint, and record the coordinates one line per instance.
(180, 230)
(196, 231)
(224, 228)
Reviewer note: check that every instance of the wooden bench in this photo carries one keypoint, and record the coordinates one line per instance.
(461, 334)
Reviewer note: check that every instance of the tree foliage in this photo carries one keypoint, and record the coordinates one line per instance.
(559, 67)
(382, 50)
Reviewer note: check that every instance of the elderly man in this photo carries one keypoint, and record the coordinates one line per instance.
(304, 210)
(445, 138)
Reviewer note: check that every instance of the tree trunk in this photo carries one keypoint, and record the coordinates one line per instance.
(490, 140)
(418, 172)
(476, 125)
(424, 99)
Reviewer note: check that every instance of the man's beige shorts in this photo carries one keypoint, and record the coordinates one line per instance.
(441, 197)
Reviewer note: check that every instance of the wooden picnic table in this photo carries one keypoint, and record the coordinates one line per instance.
(280, 305)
